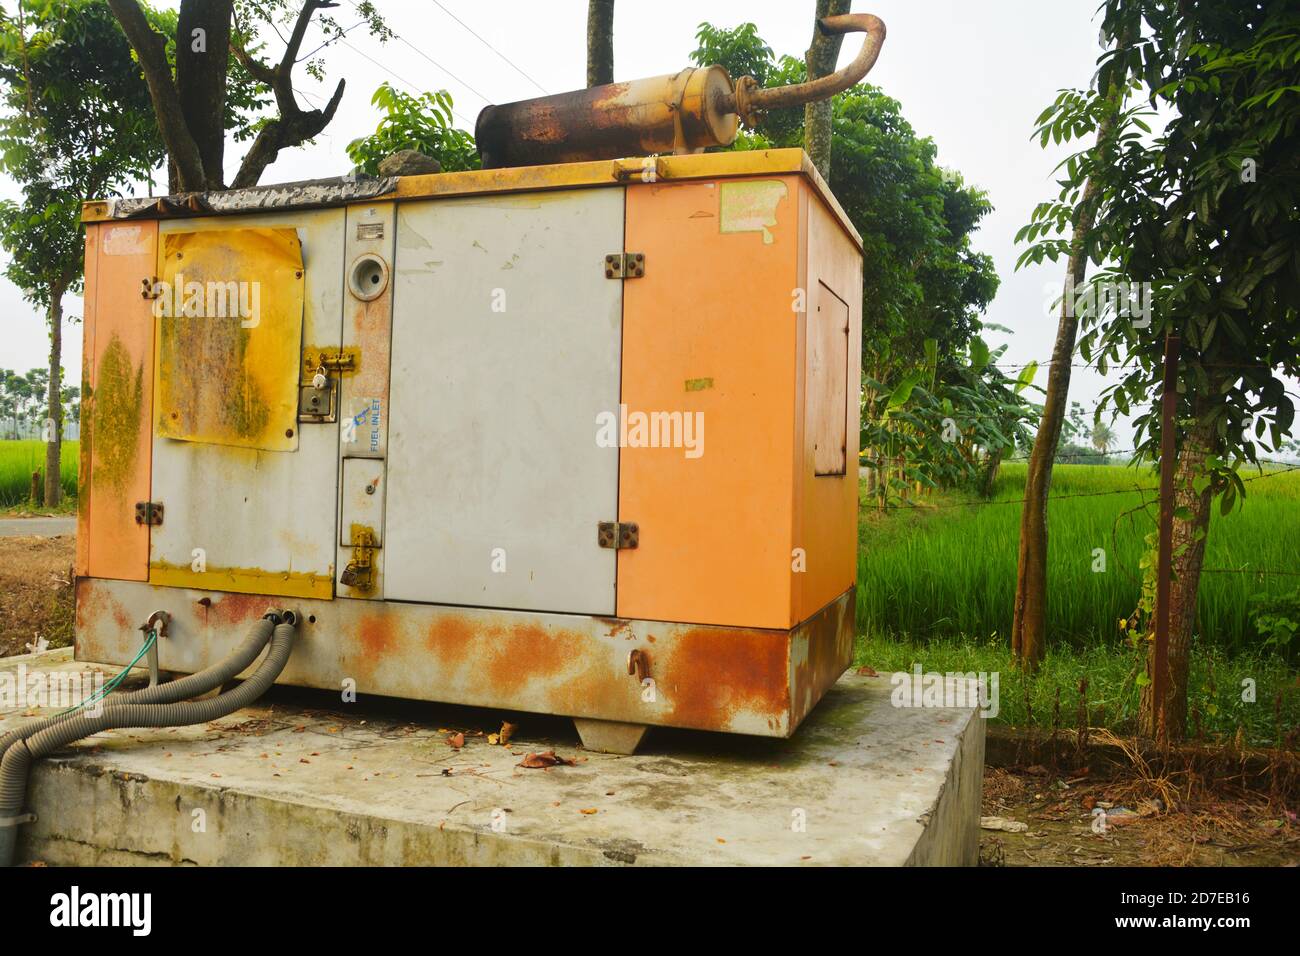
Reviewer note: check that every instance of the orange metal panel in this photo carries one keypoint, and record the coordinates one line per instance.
(117, 407)
(710, 328)
(81, 562)
(826, 506)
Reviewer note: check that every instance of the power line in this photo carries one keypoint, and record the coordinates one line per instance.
(403, 81)
(444, 69)
(490, 46)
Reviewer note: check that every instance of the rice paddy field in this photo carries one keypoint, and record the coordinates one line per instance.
(947, 568)
(937, 585)
(18, 459)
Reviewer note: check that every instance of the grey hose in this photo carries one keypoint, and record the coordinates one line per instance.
(17, 762)
(197, 683)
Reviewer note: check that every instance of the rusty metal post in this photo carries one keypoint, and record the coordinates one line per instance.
(37, 493)
(1164, 561)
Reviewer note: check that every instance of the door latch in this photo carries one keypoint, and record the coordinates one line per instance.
(360, 571)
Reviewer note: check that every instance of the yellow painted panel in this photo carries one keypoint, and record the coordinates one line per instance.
(243, 580)
(229, 326)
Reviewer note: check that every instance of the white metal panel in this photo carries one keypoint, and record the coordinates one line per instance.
(364, 488)
(506, 348)
(260, 514)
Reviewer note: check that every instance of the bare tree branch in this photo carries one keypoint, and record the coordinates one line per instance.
(294, 125)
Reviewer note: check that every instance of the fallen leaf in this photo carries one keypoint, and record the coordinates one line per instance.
(507, 731)
(493, 739)
(546, 758)
(456, 740)
(866, 670)
(589, 811)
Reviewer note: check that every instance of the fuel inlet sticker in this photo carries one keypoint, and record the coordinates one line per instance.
(365, 426)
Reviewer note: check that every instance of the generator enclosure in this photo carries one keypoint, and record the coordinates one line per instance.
(577, 439)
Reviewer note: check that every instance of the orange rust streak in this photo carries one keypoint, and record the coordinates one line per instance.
(714, 673)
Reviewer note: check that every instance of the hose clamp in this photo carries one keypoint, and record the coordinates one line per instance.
(18, 820)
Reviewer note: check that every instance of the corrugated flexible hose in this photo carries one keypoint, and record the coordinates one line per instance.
(200, 682)
(156, 706)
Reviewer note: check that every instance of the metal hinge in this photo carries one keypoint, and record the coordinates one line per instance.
(618, 535)
(624, 265)
(148, 512)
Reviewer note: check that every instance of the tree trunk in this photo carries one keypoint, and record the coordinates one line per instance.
(54, 402)
(1188, 558)
(151, 51)
(202, 42)
(600, 42)
(991, 473)
(1029, 623)
(820, 59)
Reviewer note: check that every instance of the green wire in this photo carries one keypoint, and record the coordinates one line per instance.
(111, 686)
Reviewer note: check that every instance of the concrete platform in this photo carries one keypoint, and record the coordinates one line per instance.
(304, 779)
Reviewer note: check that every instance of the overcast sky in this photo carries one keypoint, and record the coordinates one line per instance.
(972, 76)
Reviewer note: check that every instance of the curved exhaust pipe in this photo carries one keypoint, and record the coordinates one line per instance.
(684, 112)
(750, 99)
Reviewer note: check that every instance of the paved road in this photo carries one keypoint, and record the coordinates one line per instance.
(46, 527)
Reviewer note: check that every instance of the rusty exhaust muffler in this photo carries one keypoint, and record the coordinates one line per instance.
(682, 112)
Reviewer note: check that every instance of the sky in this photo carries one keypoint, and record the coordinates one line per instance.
(971, 76)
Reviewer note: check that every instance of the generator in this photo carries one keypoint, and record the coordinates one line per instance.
(576, 437)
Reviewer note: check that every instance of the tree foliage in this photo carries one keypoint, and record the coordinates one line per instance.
(76, 124)
(1202, 213)
(1205, 211)
(424, 123)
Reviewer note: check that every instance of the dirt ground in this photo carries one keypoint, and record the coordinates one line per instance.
(1175, 821)
(35, 592)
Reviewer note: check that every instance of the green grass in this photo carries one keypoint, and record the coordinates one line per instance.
(950, 570)
(1215, 686)
(937, 585)
(18, 459)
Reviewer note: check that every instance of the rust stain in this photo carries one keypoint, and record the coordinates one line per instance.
(713, 673)
(234, 608)
(829, 637)
(450, 639)
(523, 653)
